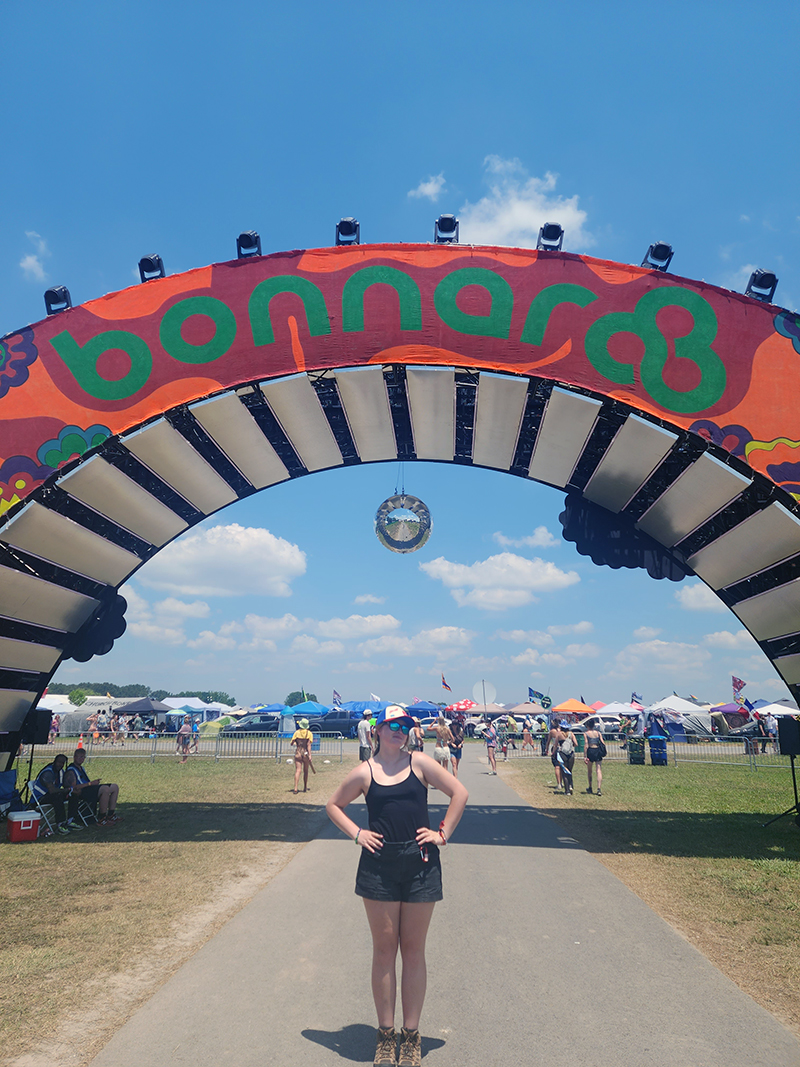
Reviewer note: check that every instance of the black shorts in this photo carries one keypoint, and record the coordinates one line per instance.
(593, 755)
(399, 872)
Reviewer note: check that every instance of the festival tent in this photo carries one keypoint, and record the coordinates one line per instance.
(529, 707)
(572, 707)
(423, 708)
(673, 703)
(309, 707)
(488, 709)
(461, 705)
(598, 704)
(145, 706)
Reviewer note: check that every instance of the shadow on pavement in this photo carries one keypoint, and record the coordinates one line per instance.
(357, 1042)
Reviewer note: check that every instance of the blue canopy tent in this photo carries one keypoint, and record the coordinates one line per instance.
(423, 708)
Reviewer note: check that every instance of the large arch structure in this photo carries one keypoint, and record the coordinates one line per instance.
(667, 402)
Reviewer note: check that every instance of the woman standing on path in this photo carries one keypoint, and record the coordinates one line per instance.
(399, 871)
(456, 745)
(594, 754)
(301, 739)
(565, 754)
(441, 751)
(490, 737)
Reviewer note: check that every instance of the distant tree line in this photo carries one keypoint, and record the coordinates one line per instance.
(133, 692)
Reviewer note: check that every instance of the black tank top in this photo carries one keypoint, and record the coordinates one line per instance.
(398, 811)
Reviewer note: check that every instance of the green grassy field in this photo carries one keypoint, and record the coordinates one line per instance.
(93, 922)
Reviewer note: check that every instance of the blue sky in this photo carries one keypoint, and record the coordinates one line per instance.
(153, 127)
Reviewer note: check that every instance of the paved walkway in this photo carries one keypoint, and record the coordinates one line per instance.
(538, 955)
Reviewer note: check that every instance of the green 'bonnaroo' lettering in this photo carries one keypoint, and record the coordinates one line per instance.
(82, 360)
(695, 346)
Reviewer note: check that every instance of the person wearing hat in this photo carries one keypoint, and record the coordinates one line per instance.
(565, 744)
(364, 736)
(399, 871)
(301, 739)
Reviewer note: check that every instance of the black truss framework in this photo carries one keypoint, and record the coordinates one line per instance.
(324, 384)
(256, 404)
(182, 420)
(118, 456)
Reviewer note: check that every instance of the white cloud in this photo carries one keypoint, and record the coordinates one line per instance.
(307, 644)
(357, 626)
(499, 582)
(226, 561)
(726, 639)
(536, 638)
(645, 633)
(151, 631)
(172, 608)
(659, 655)
(429, 189)
(582, 627)
(698, 597)
(31, 264)
(517, 206)
(581, 651)
(33, 269)
(138, 608)
(362, 667)
(533, 658)
(369, 598)
(213, 642)
(540, 538)
(442, 639)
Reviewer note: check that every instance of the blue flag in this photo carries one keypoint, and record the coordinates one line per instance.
(533, 695)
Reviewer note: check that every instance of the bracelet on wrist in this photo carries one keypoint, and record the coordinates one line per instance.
(355, 839)
(441, 832)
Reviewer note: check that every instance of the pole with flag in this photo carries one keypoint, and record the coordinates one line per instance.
(337, 700)
(445, 685)
(738, 686)
(534, 696)
(636, 699)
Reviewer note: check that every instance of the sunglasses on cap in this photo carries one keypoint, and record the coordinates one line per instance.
(395, 726)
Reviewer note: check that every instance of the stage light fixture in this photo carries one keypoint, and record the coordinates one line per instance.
(57, 299)
(248, 244)
(658, 256)
(445, 230)
(551, 237)
(348, 232)
(762, 285)
(151, 267)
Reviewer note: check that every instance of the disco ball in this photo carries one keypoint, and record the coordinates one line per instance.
(403, 523)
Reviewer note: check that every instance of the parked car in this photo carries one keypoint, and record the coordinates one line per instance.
(260, 723)
(337, 721)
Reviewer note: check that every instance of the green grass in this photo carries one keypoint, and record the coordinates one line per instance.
(200, 835)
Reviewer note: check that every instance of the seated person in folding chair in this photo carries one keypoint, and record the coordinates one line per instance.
(102, 799)
(50, 788)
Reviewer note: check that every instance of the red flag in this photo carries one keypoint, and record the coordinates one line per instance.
(738, 684)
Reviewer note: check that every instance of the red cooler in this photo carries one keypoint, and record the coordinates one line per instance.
(23, 825)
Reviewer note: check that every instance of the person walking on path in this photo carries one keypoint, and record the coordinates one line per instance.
(490, 737)
(301, 739)
(527, 740)
(595, 751)
(456, 745)
(183, 737)
(552, 751)
(399, 872)
(364, 735)
(565, 754)
(416, 738)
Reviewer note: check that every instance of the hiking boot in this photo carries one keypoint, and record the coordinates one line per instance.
(386, 1051)
(410, 1049)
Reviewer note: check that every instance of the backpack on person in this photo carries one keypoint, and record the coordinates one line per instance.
(566, 747)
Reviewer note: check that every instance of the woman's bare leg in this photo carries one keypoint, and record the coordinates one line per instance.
(414, 922)
(298, 766)
(305, 774)
(384, 923)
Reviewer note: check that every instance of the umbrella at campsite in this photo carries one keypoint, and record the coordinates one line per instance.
(462, 705)
(145, 706)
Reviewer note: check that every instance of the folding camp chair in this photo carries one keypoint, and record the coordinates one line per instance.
(47, 812)
(8, 786)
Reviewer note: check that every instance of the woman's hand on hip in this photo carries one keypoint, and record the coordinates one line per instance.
(372, 842)
(426, 836)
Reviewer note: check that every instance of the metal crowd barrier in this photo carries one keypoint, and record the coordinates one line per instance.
(219, 746)
(731, 751)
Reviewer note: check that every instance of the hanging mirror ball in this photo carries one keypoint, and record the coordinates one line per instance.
(403, 523)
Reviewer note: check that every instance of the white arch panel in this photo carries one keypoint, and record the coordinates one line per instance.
(296, 407)
(698, 493)
(772, 614)
(30, 599)
(564, 431)
(765, 538)
(116, 496)
(172, 458)
(366, 405)
(431, 400)
(498, 414)
(228, 423)
(53, 537)
(27, 656)
(633, 455)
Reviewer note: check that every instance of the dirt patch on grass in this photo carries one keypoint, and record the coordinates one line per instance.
(96, 922)
(692, 846)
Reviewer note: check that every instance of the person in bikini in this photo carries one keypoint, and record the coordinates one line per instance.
(301, 739)
(399, 872)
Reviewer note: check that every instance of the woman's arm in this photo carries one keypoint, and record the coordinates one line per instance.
(433, 774)
(355, 785)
